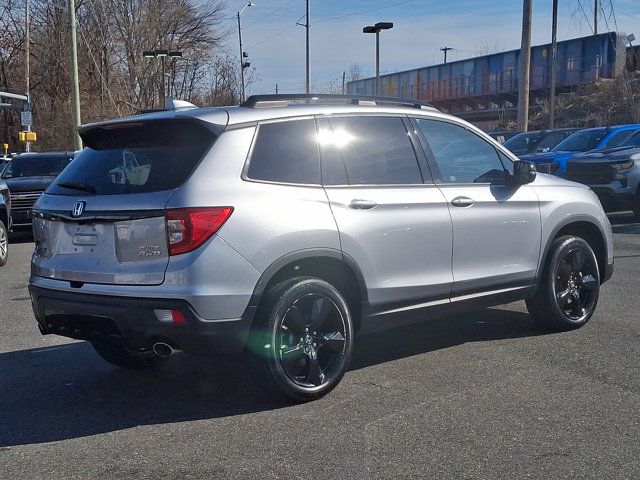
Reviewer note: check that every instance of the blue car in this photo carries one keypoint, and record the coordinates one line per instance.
(555, 160)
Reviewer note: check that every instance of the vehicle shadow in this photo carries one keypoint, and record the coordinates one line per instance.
(21, 236)
(627, 224)
(66, 391)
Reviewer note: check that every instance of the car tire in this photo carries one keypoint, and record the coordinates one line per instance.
(4, 244)
(120, 356)
(302, 339)
(569, 288)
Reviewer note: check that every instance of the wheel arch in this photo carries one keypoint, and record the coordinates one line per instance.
(327, 264)
(584, 227)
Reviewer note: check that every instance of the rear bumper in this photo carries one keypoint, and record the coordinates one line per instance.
(133, 321)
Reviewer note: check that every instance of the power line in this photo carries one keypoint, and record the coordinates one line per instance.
(363, 11)
(276, 34)
(270, 13)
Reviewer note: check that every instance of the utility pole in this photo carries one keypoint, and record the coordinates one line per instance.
(445, 50)
(241, 59)
(344, 78)
(75, 88)
(27, 74)
(554, 64)
(595, 17)
(525, 65)
(276, 89)
(308, 78)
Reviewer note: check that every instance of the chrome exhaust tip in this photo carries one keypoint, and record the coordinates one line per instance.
(163, 350)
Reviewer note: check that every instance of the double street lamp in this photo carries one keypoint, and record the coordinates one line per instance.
(243, 63)
(377, 28)
(162, 54)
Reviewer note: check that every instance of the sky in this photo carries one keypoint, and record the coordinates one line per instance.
(276, 46)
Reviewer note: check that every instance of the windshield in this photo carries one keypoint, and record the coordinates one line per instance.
(581, 141)
(619, 138)
(633, 140)
(36, 165)
(523, 142)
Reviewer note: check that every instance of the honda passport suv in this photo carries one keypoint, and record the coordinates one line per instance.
(282, 227)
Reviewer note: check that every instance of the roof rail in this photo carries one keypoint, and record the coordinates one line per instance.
(284, 100)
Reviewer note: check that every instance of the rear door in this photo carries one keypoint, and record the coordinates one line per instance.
(392, 220)
(102, 220)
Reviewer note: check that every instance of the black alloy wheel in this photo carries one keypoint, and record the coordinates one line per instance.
(569, 287)
(311, 340)
(576, 281)
(302, 339)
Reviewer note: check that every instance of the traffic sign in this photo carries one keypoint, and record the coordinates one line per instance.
(25, 118)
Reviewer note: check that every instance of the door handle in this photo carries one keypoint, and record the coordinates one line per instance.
(462, 202)
(358, 204)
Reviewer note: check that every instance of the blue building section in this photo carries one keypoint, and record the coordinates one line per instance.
(482, 88)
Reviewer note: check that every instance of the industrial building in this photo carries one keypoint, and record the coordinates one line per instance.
(484, 90)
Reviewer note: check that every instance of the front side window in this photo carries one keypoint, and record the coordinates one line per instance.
(286, 152)
(461, 156)
(550, 141)
(367, 150)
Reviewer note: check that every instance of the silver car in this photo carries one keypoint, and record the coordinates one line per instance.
(283, 227)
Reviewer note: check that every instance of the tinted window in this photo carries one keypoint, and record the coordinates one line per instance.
(135, 158)
(286, 152)
(582, 141)
(36, 165)
(550, 141)
(633, 140)
(461, 156)
(523, 142)
(368, 151)
(619, 138)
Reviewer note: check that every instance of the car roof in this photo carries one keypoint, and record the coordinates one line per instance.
(46, 154)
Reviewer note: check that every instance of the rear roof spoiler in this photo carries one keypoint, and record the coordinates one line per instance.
(170, 104)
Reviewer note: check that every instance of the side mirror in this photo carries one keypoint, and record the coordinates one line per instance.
(523, 172)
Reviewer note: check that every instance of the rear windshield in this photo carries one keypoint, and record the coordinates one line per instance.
(582, 141)
(138, 157)
(36, 165)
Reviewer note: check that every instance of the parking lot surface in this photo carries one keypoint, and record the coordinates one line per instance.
(480, 395)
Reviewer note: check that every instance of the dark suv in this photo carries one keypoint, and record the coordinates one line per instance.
(27, 176)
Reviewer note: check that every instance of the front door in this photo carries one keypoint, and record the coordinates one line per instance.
(496, 226)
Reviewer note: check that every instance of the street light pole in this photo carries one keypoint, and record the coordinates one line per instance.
(554, 64)
(242, 62)
(308, 76)
(27, 81)
(75, 88)
(525, 67)
(377, 28)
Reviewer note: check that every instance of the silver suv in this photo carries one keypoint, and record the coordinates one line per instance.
(283, 227)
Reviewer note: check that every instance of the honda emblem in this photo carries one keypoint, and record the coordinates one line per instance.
(78, 208)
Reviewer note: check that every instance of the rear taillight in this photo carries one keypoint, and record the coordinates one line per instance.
(188, 228)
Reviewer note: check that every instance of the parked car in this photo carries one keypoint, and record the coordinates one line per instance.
(501, 137)
(283, 230)
(5, 222)
(612, 173)
(537, 141)
(27, 176)
(555, 161)
(4, 161)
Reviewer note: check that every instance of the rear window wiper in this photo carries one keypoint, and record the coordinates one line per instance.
(84, 187)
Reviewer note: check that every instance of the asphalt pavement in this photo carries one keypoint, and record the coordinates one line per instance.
(481, 395)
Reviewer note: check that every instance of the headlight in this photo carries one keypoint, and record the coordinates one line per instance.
(548, 167)
(623, 166)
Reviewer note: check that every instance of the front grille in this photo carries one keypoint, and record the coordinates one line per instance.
(589, 174)
(24, 200)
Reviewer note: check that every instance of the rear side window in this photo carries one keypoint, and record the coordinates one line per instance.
(139, 157)
(367, 151)
(286, 152)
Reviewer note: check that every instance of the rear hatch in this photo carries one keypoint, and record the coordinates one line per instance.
(103, 219)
